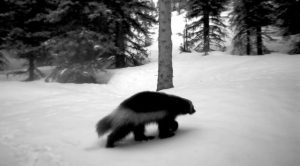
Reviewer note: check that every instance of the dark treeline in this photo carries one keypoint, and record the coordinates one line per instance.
(250, 20)
(76, 35)
(84, 36)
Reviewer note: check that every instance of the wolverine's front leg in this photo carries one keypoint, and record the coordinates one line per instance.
(139, 133)
(173, 126)
(167, 127)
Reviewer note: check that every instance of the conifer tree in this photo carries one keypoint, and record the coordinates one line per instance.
(207, 26)
(186, 44)
(133, 19)
(261, 16)
(126, 23)
(3, 61)
(4, 21)
(288, 15)
(116, 29)
(82, 29)
(23, 28)
(248, 18)
(239, 18)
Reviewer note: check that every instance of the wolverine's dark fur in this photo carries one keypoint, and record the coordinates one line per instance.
(140, 109)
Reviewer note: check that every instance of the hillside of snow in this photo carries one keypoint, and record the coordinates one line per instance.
(247, 107)
(247, 114)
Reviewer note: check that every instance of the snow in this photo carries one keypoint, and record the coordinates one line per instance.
(247, 114)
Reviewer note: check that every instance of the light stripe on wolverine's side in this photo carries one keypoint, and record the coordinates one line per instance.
(140, 109)
(123, 116)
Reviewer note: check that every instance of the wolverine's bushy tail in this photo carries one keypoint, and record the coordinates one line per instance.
(103, 125)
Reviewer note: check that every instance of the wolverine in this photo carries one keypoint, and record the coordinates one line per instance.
(141, 109)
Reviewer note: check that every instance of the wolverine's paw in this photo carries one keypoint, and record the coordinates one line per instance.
(144, 138)
(166, 135)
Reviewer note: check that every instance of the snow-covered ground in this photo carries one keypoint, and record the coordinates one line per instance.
(248, 114)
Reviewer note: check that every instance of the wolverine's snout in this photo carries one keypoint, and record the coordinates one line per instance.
(192, 111)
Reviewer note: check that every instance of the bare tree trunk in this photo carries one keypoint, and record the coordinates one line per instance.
(165, 69)
(31, 68)
(185, 36)
(248, 49)
(206, 47)
(259, 43)
(120, 43)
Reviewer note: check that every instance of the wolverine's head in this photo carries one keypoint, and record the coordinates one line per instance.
(187, 107)
(191, 109)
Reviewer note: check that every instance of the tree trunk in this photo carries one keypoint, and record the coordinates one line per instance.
(185, 36)
(120, 44)
(248, 48)
(165, 69)
(206, 47)
(259, 42)
(31, 68)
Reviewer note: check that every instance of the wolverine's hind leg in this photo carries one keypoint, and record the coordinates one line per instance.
(117, 134)
(139, 133)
